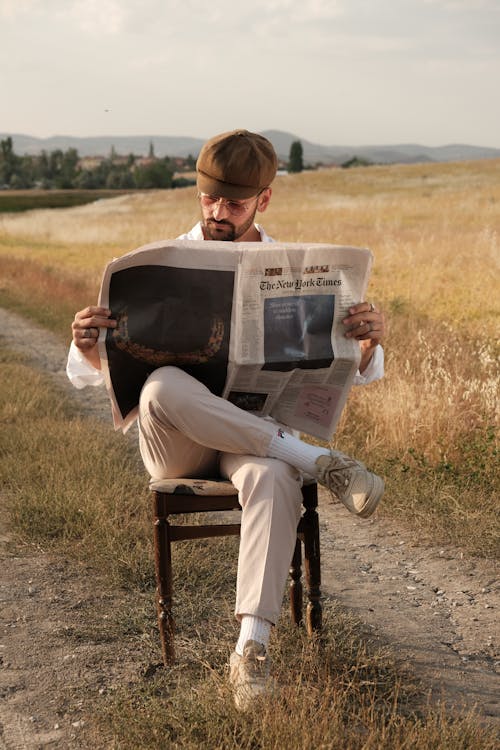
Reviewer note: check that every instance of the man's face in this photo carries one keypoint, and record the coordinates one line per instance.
(228, 220)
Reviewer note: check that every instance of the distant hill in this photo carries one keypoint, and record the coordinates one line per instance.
(313, 152)
(399, 153)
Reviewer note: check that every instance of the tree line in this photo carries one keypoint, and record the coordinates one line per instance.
(65, 170)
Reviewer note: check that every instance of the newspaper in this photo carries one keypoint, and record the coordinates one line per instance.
(259, 325)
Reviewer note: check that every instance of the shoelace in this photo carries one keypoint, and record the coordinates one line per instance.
(338, 475)
(255, 664)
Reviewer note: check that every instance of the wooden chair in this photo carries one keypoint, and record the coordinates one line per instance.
(179, 496)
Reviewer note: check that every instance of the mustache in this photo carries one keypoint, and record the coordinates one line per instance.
(219, 222)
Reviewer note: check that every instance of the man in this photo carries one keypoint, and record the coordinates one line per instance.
(184, 430)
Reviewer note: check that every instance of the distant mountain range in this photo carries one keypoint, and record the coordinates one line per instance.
(313, 153)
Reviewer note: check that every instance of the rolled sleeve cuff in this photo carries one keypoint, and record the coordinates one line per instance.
(79, 370)
(374, 370)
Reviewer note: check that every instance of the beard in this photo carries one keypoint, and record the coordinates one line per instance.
(224, 230)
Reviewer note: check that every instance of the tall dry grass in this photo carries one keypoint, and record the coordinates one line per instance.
(430, 427)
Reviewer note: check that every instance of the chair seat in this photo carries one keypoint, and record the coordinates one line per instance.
(183, 486)
(212, 486)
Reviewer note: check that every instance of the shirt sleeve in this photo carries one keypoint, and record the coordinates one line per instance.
(79, 370)
(374, 370)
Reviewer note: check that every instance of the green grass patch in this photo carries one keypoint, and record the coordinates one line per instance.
(444, 503)
(29, 200)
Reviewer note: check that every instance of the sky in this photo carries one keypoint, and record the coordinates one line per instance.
(334, 72)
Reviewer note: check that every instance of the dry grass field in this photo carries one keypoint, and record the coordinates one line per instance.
(429, 428)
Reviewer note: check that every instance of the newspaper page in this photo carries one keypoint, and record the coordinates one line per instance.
(259, 325)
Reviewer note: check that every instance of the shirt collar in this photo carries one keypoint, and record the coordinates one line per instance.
(196, 233)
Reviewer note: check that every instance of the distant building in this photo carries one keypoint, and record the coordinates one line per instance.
(88, 163)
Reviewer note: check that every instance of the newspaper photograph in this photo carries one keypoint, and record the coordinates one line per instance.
(259, 325)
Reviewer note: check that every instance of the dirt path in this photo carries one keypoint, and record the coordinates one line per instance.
(437, 608)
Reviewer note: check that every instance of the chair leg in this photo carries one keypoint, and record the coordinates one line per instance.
(163, 568)
(296, 585)
(313, 570)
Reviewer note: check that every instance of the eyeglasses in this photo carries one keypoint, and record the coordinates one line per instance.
(237, 208)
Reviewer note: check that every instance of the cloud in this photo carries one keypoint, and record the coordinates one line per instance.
(89, 16)
(98, 16)
(464, 5)
(305, 11)
(14, 8)
(213, 19)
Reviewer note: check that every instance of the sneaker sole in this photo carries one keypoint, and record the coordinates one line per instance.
(373, 498)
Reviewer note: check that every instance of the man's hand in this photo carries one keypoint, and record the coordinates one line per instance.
(85, 329)
(367, 325)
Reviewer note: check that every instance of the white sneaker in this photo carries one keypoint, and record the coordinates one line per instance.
(249, 674)
(350, 481)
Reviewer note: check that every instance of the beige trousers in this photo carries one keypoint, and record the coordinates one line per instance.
(186, 431)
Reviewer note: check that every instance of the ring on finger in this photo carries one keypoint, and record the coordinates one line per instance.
(372, 307)
(89, 333)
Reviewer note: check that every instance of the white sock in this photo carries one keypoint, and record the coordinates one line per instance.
(295, 452)
(253, 629)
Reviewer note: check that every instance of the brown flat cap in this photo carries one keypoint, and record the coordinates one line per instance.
(236, 165)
